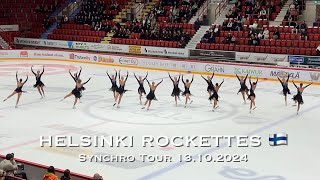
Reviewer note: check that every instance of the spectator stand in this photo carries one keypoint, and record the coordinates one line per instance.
(36, 171)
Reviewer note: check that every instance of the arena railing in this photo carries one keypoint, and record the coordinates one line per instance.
(36, 171)
(203, 10)
(221, 6)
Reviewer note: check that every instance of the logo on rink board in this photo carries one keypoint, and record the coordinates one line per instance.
(314, 76)
(128, 61)
(214, 68)
(250, 72)
(284, 74)
(24, 54)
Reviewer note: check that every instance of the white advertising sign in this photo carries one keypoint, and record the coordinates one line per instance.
(7, 28)
(73, 45)
(268, 72)
(261, 58)
(162, 51)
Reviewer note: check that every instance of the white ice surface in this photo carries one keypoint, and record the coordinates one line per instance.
(20, 128)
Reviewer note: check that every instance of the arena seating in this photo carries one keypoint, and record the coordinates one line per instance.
(92, 22)
(167, 26)
(76, 32)
(9, 37)
(287, 41)
(29, 14)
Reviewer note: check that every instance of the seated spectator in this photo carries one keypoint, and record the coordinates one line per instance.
(254, 25)
(50, 174)
(303, 25)
(238, 5)
(216, 31)
(97, 177)
(249, 11)
(229, 25)
(272, 7)
(304, 34)
(263, 14)
(266, 33)
(65, 19)
(182, 43)
(66, 175)
(276, 34)
(260, 35)
(197, 24)
(318, 50)
(238, 26)
(255, 40)
(2, 174)
(224, 24)
(228, 39)
(233, 40)
(10, 166)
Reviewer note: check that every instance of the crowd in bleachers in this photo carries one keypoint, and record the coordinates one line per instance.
(11, 170)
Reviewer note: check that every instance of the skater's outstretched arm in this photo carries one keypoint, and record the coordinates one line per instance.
(183, 80)
(74, 78)
(17, 76)
(179, 78)
(127, 76)
(170, 77)
(295, 84)
(148, 83)
(221, 83)
(116, 73)
(136, 77)
(25, 80)
(257, 80)
(307, 85)
(33, 71)
(238, 77)
(146, 76)
(245, 79)
(212, 74)
(288, 77)
(192, 79)
(79, 72)
(119, 74)
(86, 81)
(159, 83)
(279, 80)
(250, 81)
(109, 76)
(42, 71)
(204, 79)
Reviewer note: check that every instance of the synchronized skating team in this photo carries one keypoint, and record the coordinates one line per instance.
(118, 91)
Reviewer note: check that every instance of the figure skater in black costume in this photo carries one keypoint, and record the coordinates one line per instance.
(141, 89)
(18, 90)
(187, 92)
(151, 96)
(114, 87)
(120, 91)
(215, 95)
(298, 96)
(176, 90)
(39, 84)
(210, 87)
(76, 77)
(243, 87)
(285, 88)
(76, 91)
(252, 95)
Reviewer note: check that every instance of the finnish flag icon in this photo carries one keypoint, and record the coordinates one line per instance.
(278, 139)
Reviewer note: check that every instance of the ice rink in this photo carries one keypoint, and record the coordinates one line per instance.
(95, 115)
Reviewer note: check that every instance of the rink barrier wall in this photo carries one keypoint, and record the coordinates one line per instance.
(36, 171)
(299, 75)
